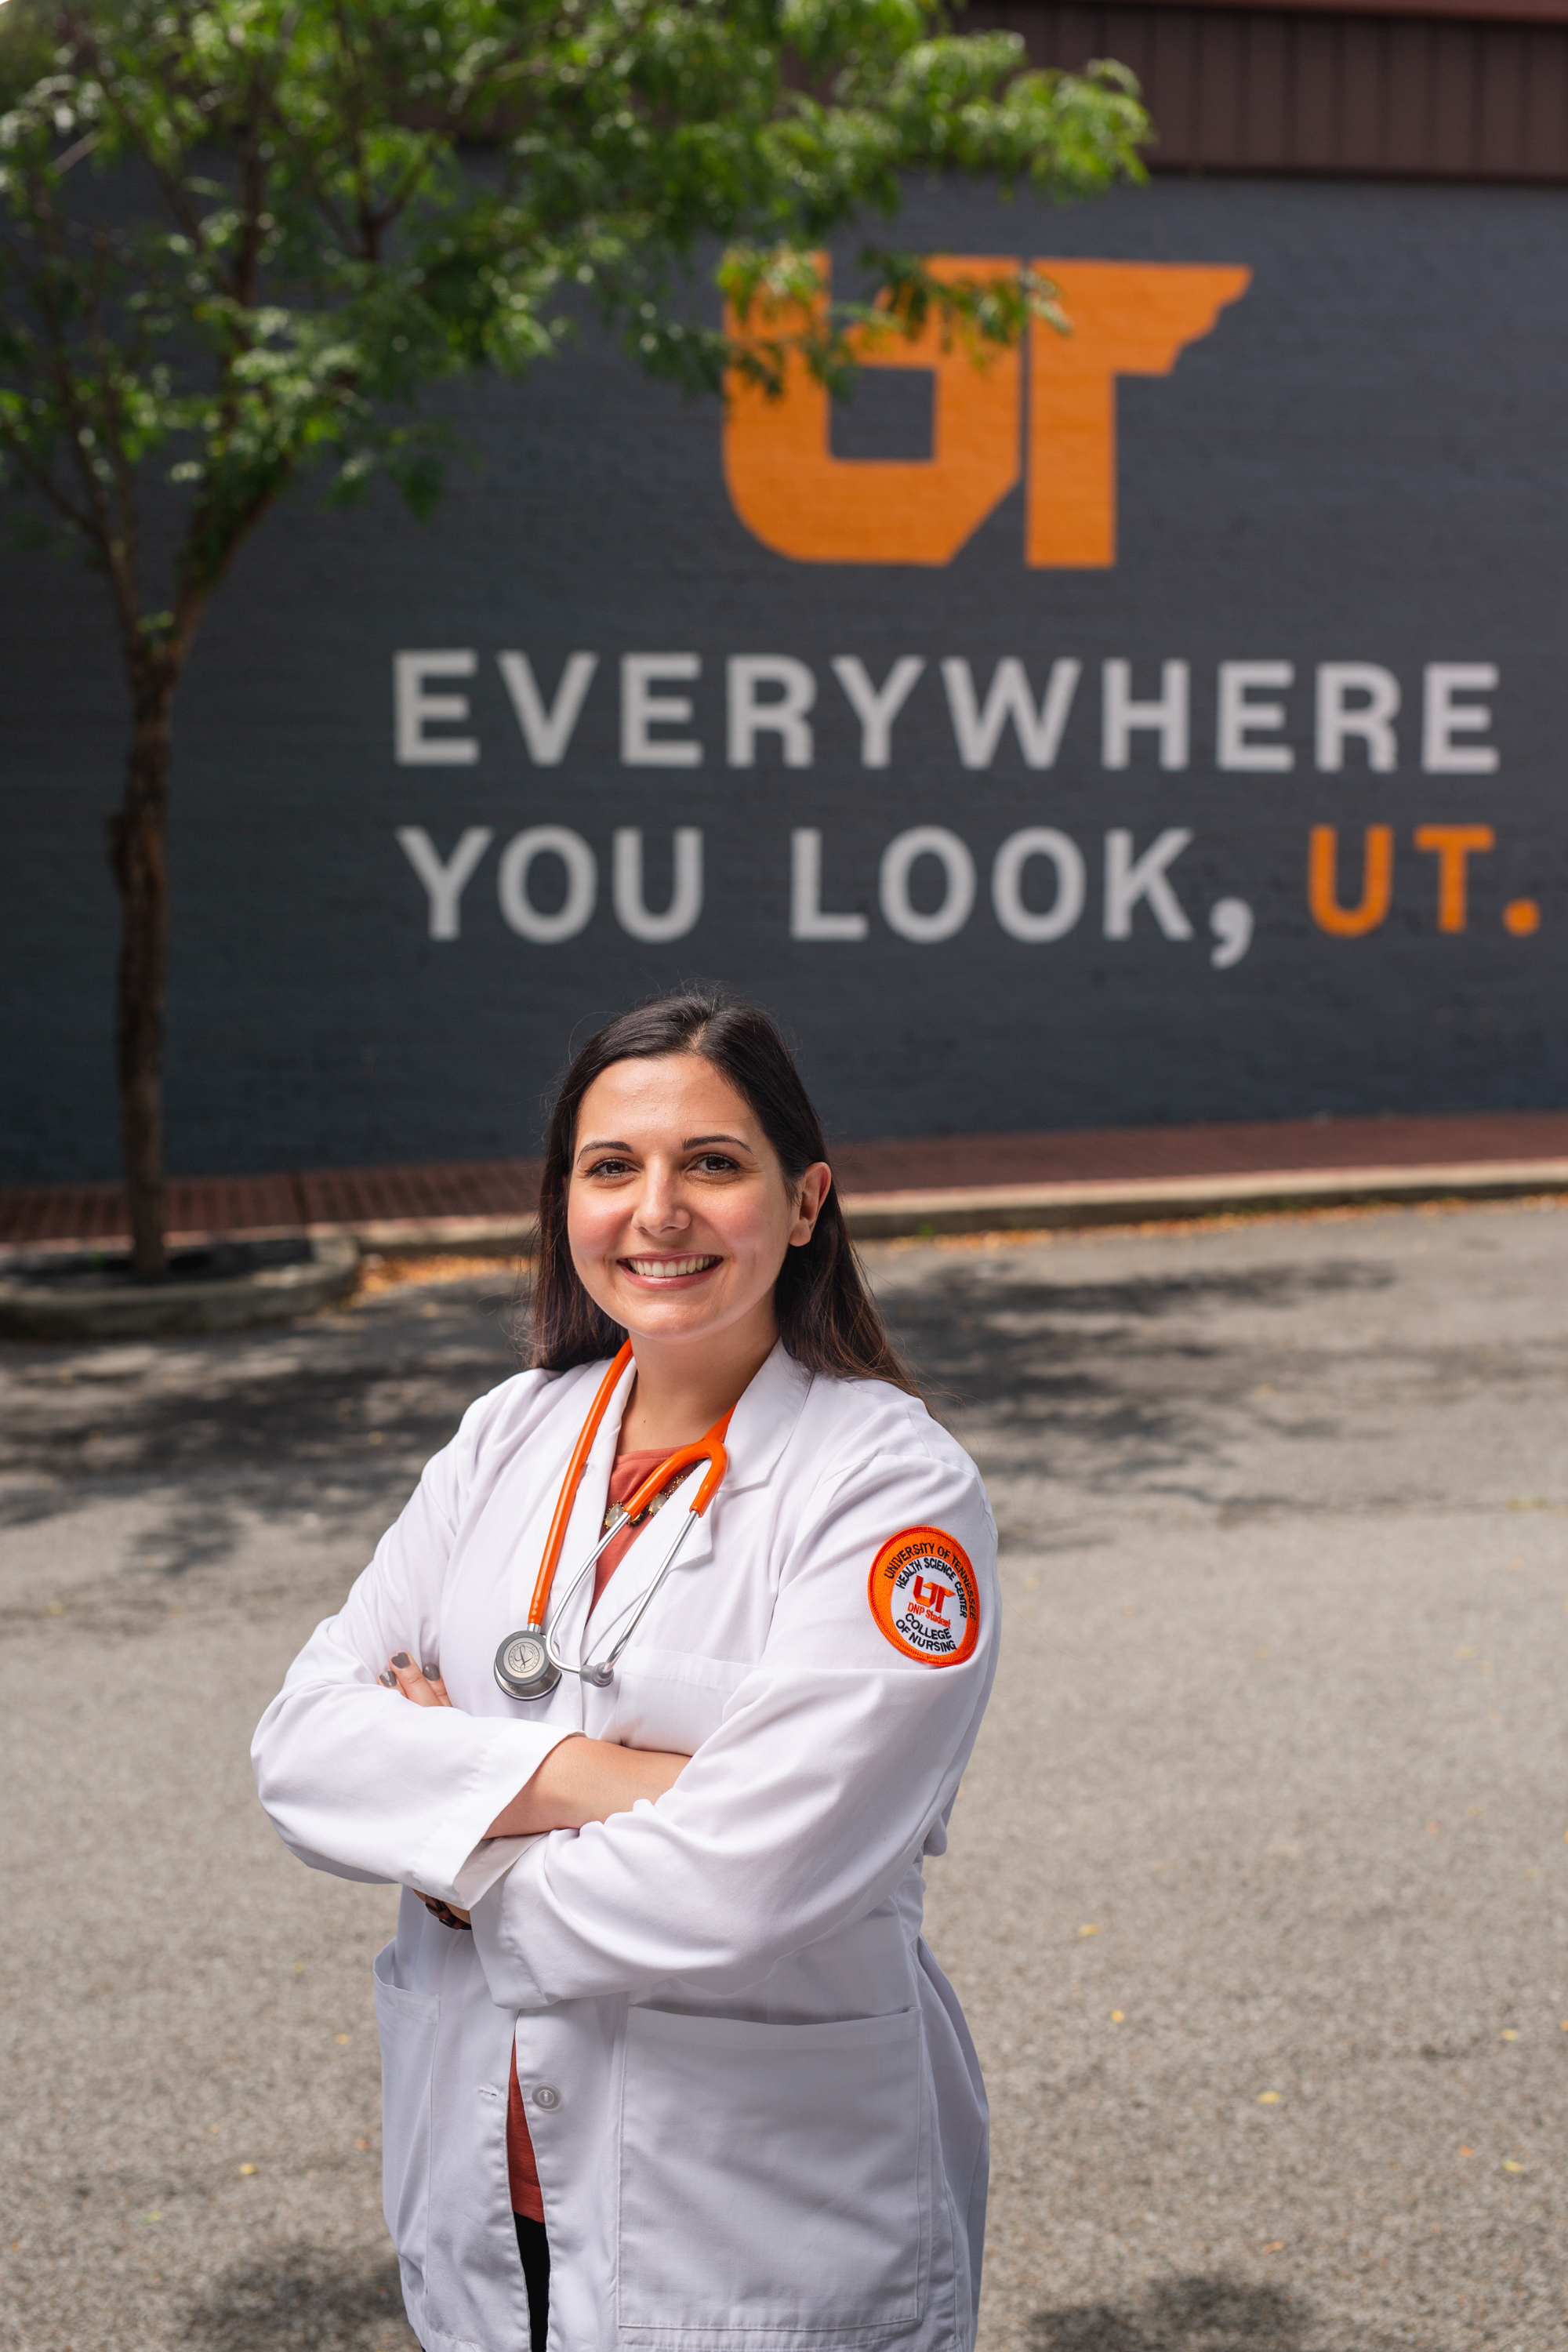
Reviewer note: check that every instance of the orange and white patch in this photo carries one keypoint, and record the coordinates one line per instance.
(923, 1596)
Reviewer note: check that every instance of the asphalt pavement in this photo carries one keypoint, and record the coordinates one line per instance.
(1257, 1894)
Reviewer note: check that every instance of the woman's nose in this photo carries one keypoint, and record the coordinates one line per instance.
(661, 1209)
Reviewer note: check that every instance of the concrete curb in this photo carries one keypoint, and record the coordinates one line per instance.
(1130, 1200)
(441, 1236)
(971, 1209)
(1000, 1208)
(272, 1294)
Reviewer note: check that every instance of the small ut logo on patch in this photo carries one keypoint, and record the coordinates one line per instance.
(1128, 317)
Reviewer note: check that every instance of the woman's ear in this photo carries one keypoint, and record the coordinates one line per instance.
(814, 1186)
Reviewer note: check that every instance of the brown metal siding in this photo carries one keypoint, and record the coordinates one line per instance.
(1274, 90)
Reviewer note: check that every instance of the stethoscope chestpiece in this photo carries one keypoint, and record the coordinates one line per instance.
(524, 1667)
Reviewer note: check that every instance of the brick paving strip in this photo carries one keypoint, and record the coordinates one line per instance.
(958, 1183)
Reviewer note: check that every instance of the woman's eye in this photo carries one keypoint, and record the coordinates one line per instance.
(607, 1168)
(716, 1164)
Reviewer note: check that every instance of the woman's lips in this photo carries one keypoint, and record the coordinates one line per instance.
(668, 1269)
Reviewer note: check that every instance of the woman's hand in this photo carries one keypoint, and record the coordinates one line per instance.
(423, 1684)
(449, 1913)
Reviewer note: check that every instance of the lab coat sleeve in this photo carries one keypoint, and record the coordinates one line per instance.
(837, 1756)
(356, 1779)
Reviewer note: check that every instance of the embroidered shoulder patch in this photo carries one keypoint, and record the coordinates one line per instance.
(922, 1594)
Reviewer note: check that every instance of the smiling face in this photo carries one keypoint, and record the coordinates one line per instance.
(678, 1212)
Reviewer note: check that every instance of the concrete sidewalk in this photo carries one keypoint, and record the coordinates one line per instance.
(934, 1184)
(1257, 1894)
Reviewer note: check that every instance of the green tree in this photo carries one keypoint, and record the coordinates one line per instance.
(239, 239)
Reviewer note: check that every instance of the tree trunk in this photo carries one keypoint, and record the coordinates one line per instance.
(136, 855)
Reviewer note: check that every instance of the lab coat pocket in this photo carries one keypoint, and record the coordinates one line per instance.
(670, 1700)
(406, 2022)
(774, 2179)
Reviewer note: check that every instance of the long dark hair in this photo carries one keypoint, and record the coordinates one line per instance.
(827, 1317)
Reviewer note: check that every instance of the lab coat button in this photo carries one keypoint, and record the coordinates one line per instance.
(546, 2096)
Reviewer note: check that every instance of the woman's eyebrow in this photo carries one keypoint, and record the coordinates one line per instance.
(691, 1142)
(602, 1143)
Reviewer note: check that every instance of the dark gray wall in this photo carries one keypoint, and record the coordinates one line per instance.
(1364, 461)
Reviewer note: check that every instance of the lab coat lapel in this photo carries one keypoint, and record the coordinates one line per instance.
(760, 1428)
(763, 1422)
(758, 1434)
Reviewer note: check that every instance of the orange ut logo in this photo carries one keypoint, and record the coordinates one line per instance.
(932, 1597)
(1129, 318)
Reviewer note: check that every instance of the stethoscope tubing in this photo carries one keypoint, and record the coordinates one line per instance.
(529, 1664)
(540, 1604)
(598, 1676)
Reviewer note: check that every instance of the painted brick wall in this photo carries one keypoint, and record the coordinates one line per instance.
(1363, 462)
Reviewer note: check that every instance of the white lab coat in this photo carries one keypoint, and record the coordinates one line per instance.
(757, 2114)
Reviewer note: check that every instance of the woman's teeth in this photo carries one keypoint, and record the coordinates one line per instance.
(668, 1269)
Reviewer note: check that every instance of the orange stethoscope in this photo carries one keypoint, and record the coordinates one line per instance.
(528, 1664)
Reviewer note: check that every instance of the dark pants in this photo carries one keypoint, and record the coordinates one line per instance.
(534, 2247)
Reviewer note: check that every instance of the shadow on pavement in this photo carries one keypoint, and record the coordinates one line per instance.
(1145, 1377)
(303, 2299)
(953, 1322)
(335, 1400)
(1202, 2312)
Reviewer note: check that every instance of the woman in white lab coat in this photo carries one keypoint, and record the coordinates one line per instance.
(658, 2018)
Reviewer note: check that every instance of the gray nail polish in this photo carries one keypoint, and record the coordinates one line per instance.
(402, 1658)
(390, 1680)
(431, 1673)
